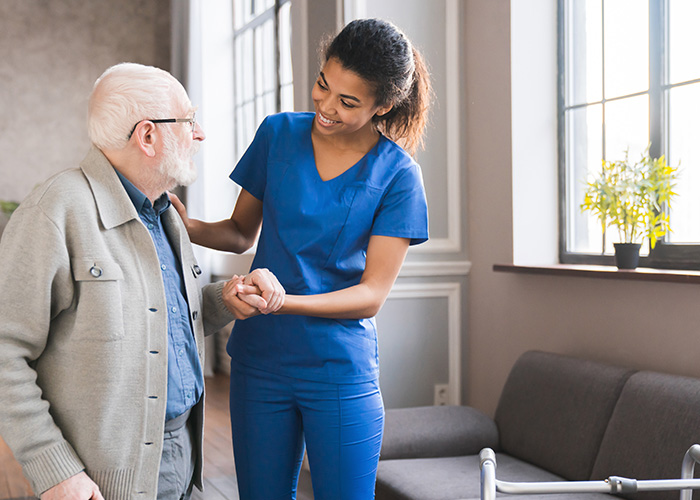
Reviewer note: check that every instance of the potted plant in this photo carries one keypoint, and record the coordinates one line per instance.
(631, 196)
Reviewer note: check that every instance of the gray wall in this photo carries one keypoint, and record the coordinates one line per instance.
(51, 52)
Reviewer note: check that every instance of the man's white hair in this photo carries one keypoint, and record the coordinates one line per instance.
(126, 94)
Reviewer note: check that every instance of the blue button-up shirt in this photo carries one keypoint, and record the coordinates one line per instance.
(185, 379)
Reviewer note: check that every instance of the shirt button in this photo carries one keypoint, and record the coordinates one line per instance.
(174, 309)
(150, 226)
(181, 352)
(163, 267)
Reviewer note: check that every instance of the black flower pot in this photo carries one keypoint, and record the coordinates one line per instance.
(627, 255)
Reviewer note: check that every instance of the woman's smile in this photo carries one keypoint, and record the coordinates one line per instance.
(324, 120)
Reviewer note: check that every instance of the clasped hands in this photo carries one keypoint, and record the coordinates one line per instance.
(259, 292)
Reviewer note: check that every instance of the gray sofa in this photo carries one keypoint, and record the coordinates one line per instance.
(558, 418)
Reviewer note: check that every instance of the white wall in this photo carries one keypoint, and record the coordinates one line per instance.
(534, 130)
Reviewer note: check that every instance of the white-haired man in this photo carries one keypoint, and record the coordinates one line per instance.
(102, 318)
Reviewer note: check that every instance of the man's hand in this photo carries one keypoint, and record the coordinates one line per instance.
(78, 487)
(272, 291)
(242, 309)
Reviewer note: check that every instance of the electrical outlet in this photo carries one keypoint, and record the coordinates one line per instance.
(442, 395)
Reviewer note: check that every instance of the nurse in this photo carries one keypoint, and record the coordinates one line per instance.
(339, 199)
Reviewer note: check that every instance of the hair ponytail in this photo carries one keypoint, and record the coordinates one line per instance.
(406, 122)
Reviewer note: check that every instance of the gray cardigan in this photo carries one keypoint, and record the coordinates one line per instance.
(83, 334)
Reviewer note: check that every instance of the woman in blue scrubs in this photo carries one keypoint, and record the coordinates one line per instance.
(339, 202)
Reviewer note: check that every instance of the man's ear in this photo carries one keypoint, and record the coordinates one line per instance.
(146, 136)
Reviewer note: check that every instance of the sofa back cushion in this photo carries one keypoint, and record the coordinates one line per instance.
(436, 431)
(554, 410)
(656, 420)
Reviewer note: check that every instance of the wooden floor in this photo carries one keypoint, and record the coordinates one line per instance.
(219, 473)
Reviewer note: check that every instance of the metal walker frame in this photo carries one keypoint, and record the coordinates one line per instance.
(613, 485)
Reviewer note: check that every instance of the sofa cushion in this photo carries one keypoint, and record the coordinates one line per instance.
(453, 478)
(554, 410)
(436, 431)
(656, 420)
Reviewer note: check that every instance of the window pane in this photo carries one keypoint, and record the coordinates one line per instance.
(287, 98)
(257, 76)
(684, 135)
(626, 127)
(270, 106)
(584, 152)
(241, 143)
(584, 52)
(260, 55)
(262, 5)
(626, 47)
(248, 67)
(684, 40)
(242, 12)
(285, 41)
(238, 16)
(269, 76)
(248, 124)
(238, 65)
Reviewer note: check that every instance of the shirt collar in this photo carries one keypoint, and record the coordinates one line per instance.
(140, 201)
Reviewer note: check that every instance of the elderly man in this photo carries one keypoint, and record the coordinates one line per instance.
(102, 319)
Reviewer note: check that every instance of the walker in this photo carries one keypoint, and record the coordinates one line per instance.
(612, 485)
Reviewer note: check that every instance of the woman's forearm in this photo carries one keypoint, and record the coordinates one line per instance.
(222, 235)
(385, 255)
(356, 302)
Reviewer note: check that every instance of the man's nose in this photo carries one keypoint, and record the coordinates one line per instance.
(198, 133)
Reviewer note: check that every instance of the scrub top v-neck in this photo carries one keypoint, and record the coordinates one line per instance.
(314, 238)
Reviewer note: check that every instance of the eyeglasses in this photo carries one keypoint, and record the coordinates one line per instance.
(192, 121)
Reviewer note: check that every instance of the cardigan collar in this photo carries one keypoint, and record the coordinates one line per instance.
(113, 202)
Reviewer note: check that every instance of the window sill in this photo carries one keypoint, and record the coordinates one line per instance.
(605, 272)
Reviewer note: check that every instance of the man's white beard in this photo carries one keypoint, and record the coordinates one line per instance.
(178, 166)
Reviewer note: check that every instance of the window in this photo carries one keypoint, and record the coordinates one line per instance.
(629, 78)
(262, 65)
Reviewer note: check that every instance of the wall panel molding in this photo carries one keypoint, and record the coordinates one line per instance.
(435, 268)
(453, 293)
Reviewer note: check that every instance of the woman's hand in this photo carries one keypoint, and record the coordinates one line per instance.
(181, 209)
(242, 306)
(262, 282)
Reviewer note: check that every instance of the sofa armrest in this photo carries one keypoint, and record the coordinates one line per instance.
(437, 431)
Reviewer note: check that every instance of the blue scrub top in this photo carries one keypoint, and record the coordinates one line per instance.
(314, 239)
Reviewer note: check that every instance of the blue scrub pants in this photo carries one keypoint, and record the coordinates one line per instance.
(271, 418)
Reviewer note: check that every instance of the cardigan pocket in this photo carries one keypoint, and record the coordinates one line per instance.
(98, 301)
